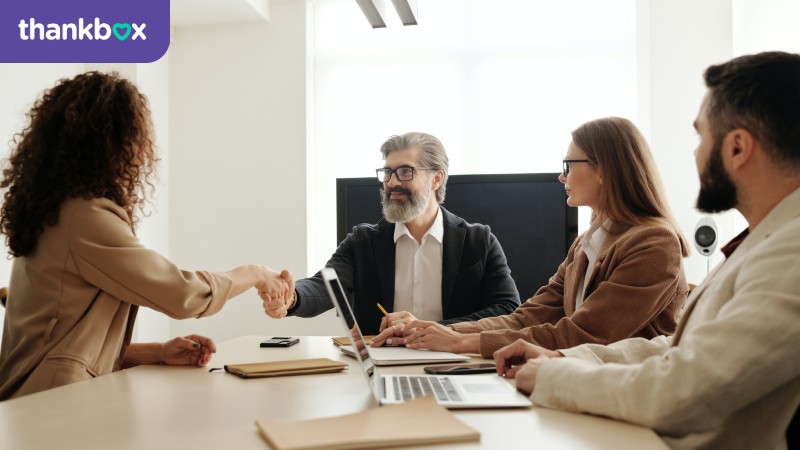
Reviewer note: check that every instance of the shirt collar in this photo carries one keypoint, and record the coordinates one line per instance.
(731, 246)
(436, 231)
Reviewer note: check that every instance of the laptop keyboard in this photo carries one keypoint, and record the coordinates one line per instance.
(411, 387)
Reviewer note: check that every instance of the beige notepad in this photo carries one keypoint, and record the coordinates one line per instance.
(344, 340)
(418, 422)
(288, 367)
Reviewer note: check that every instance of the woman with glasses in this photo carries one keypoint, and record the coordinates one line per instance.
(622, 278)
(74, 182)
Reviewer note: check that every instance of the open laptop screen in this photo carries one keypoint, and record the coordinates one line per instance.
(336, 292)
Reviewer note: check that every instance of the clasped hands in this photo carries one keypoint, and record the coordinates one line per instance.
(402, 328)
(277, 294)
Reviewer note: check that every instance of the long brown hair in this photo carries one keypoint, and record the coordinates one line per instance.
(632, 193)
(90, 137)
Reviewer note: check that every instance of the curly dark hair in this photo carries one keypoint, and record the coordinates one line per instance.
(88, 137)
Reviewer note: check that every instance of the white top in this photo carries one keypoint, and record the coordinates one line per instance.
(590, 244)
(418, 271)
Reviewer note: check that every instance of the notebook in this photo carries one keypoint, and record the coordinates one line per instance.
(417, 422)
(287, 367)
(461, 391)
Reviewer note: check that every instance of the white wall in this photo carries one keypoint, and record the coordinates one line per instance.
(238, 160)
(678, 40)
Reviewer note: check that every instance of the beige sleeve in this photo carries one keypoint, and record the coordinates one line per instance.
(108, 255)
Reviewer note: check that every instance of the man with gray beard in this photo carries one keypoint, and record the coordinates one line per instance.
(420, 261)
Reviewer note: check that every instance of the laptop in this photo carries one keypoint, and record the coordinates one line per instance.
(460, 391)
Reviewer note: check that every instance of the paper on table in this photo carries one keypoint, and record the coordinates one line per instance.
(418, 422)
(288, 367)
(344, 340)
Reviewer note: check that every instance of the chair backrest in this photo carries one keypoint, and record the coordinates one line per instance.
(3, 295)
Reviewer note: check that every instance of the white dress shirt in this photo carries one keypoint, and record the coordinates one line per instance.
(418, 271)
(590, 244)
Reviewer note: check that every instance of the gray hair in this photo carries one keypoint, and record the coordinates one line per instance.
(433, 154)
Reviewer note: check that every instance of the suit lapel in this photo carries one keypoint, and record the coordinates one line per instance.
(451, 256)
(384, 254)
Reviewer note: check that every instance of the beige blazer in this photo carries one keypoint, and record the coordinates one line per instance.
(73, 301)
(729, 378)
(636, 288)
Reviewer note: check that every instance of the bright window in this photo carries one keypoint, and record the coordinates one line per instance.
(501, 82)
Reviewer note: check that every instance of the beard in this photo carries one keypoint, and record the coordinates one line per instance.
(717, 191)
(403, 210)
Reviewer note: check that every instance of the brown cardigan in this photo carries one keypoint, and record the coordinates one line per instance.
(73, 301)
(636, 290)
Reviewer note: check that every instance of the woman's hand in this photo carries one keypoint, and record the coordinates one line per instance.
(396, 318)
(427, 335)
(192, 350)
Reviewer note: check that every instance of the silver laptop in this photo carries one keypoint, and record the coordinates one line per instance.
(461, 391)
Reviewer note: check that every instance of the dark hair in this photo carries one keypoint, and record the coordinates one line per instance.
(433, 154)
(632, 192)
(88, 137)
(760, 93)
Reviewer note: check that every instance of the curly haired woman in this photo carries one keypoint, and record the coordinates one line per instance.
(79, 173)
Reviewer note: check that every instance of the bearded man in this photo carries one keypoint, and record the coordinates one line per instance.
(420, 261)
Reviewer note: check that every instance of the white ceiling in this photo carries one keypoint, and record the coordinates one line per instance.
(184, 13)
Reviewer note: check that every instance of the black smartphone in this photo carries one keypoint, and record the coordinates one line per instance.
(278, 341)
(461, 369)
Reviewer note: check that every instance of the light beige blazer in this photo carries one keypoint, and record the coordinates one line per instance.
(729, 378)
(73, 301)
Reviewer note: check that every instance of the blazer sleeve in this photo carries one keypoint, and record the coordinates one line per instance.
(312, 297)
(546, 306)
(498, 292)
(644, 276)
(107, 254)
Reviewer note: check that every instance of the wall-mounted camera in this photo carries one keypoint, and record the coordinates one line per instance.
(706, 236)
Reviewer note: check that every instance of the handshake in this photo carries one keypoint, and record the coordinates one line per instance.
(277, 292)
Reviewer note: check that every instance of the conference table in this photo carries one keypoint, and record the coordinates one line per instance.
(163, 407)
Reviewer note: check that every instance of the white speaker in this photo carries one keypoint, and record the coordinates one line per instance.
(706, 236)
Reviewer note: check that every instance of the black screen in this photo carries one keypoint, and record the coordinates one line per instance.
(528, 213)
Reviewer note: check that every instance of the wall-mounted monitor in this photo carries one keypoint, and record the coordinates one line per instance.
(527, 212)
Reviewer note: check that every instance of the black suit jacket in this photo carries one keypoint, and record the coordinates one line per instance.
(476, 280)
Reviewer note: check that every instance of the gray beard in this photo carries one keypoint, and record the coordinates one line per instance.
(399, 211)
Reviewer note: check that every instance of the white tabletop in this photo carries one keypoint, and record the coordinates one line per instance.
(161, 407)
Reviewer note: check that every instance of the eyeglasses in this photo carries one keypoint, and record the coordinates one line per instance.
(567, 162)
(404, 173)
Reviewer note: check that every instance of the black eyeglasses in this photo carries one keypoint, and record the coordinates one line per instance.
(404, 173)
(567, 162)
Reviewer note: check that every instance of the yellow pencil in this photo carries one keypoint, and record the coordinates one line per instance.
(382, 310)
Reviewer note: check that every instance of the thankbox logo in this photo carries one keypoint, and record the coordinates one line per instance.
(32, 30)
(83, 31)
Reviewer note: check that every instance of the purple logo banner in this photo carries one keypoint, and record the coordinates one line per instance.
(83, 31)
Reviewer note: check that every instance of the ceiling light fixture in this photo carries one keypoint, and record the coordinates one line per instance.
(375, 11)
(407, 10)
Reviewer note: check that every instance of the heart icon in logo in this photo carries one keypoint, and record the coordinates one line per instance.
(121, 26)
